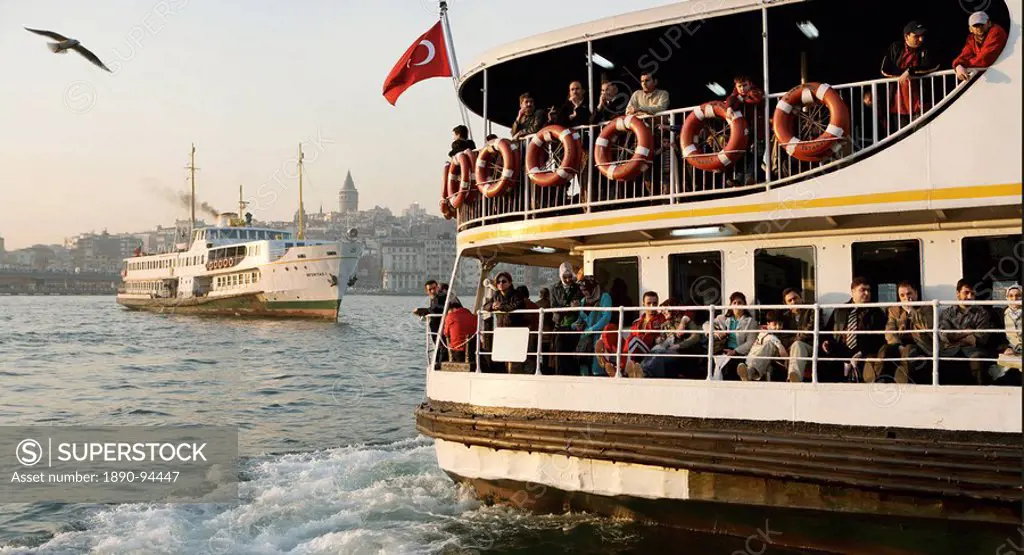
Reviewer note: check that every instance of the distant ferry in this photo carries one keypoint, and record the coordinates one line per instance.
(234, 269)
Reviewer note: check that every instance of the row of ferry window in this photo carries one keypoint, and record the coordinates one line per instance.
(143, 286)
(992, 263)
(167, 263)
(237, 280)
(234, 233)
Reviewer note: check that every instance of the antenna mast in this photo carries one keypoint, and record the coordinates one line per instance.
(241, 207)
(192, 176)
(302, 210)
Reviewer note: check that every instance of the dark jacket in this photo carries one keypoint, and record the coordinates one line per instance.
(922, 64)
(570, 115)
(460, 145)
(868, 319)
(803, 322)
(562, 297)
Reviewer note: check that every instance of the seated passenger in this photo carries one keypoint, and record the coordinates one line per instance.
(905, 59)
(490, 139)
(529, 120)
(798, 345)
(735, 332)
(1005, 374)
(851, 346)
(605, 110)
(574, 112)
(766, 347)
(459, 332)
(649, 100)
(966, 342)
(983, 46)
(643, 333)
(591, 323)
(908, 335)
(461, 140)
(680, 335)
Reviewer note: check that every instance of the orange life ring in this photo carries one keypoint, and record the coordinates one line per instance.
(446, 208)
(537, 156)
(733, 150)
(509, 166)
(829, 142)
(462, 166)
(632, 168)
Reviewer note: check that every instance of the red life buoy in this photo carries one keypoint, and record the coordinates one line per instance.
(537, 156)
(730, 153)
(462, 166)
(629, 169)
(829, 142)
(446, 208)
(509, 151)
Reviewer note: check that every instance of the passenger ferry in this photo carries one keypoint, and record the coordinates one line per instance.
(236, 269)
(887, 179)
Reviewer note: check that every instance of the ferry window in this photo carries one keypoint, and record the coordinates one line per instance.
(886, 263)
(777, 269)
(620, 277)
(695, 279)
(992, 264)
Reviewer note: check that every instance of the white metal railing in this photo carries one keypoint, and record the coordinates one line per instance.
(669, 179)
(936, 346)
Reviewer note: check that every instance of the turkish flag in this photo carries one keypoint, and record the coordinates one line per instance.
(426, 58)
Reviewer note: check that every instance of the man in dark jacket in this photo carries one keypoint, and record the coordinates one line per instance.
(797, 344)
(906, 59)
(852, 346)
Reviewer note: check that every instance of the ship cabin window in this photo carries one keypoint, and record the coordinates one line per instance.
(775, 270)
(620, 278)
(695, 279)
(885, 264)
(289, 245)
(992, 264)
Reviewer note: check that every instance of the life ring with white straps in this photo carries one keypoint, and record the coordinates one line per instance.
(460, 178)
(641, 159)
(537, 156)
(733, 150)
(830, 141)
(510, 165)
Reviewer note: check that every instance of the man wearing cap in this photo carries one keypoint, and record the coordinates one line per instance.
(983, 46)
(905, 59)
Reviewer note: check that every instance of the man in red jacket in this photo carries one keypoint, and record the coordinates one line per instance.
(983, 46)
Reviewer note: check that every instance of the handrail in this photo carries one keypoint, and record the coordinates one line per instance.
(943, 347)
(873, 127)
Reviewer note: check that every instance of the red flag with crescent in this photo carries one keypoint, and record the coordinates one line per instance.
(426, 58)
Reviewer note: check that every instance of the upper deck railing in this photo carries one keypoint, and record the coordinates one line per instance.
(933, 350)
(669, 179)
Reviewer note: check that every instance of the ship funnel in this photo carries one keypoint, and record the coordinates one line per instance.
(224, 219)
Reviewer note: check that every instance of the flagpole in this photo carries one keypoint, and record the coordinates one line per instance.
(453, 63)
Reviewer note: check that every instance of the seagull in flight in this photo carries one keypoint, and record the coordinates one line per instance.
(64, 44)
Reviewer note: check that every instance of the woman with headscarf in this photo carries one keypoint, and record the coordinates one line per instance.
(591, 323)
(565, 294)
(1008, 375)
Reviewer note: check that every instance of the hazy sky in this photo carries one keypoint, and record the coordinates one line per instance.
(83, 150)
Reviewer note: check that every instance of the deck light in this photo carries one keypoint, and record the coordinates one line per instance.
(602, 61)
(544, 250)
(716, 88)
(698, 231)
(808, 29)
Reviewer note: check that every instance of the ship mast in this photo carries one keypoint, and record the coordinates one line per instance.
(302, 210)
(192, 176)
(241, 207)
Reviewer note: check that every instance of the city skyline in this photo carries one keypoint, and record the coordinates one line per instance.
(245, 83)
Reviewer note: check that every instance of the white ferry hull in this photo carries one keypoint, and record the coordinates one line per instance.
(311, 287)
